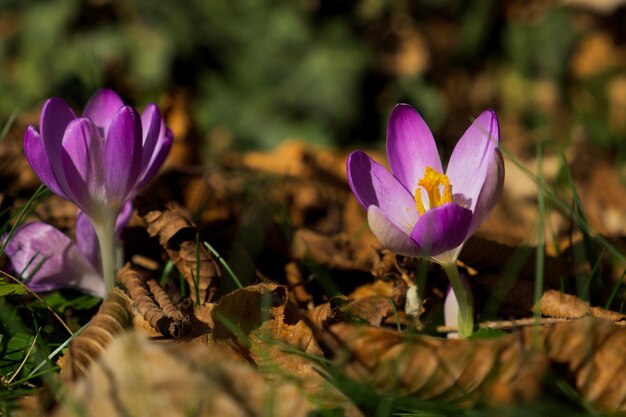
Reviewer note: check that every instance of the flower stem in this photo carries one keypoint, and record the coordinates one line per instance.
(464, 298)
(106, 239)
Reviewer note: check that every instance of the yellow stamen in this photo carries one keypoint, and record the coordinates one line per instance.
(431, 182)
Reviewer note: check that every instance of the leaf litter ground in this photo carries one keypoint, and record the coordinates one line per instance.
(256, 288)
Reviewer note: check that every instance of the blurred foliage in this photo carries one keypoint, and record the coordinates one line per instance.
(329, 71)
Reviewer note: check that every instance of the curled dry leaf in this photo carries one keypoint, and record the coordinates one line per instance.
(178, 236)
(557, 304)
(111, 319)
(136, 377)
(152, 303)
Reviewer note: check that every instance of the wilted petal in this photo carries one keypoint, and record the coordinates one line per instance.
(38, 160)
(83, 161)
(410, 146)
(123, 155)
(48, 260)
(151, 126)
(389, 235)
(162, 149)
(442, 228)
(56, 114)
(101, 109)
(372, 184)
(473, 156)
(490, 193)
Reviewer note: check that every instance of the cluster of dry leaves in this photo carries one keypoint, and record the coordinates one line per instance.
(294, 234)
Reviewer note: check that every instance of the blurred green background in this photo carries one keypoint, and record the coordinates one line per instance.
(254, 73)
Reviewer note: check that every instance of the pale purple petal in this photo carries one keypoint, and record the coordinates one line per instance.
(151, 126)
(162, 149)
(451, 312)
(410, 146)
(442, 228)
(48, 260)
(38, 160)
(472, 157)
(123, 155)
(101, 108)
(389, 235)
(56, 114)
(87, 240)
(83, 161)
(490, 193)
(373, 185)
(123, 218)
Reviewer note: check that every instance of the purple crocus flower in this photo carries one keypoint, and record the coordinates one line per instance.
(100, 160)
(419, 210)
(48, 260)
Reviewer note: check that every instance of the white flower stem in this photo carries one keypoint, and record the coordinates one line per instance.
(106, 239)
(464, 298)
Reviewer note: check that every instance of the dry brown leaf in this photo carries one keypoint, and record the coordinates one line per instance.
(293, 275)
(373, 309)
(177, 234)
(135, 377)
(504, 370)
(113, 317)
(335, 251)
(557, 304)
(152, 303)
(464, 372)
(594, 352)
(268, 328)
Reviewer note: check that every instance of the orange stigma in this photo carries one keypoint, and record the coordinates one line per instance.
(431, 183)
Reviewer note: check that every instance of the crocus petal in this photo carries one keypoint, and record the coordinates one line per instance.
(38, 160)
(451, 312)
(151, 126)
(83, 161)
(442, 228)
(162, 149)
(48, 260)
(56, 114)
(389, 235)
(490, 193)
(122, 155)
(87, 240)
(373, 185)
(472, 158)
(101, 108)
(123, 218)
(410, 146)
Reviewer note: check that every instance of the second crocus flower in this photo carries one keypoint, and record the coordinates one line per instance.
(420, 210)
